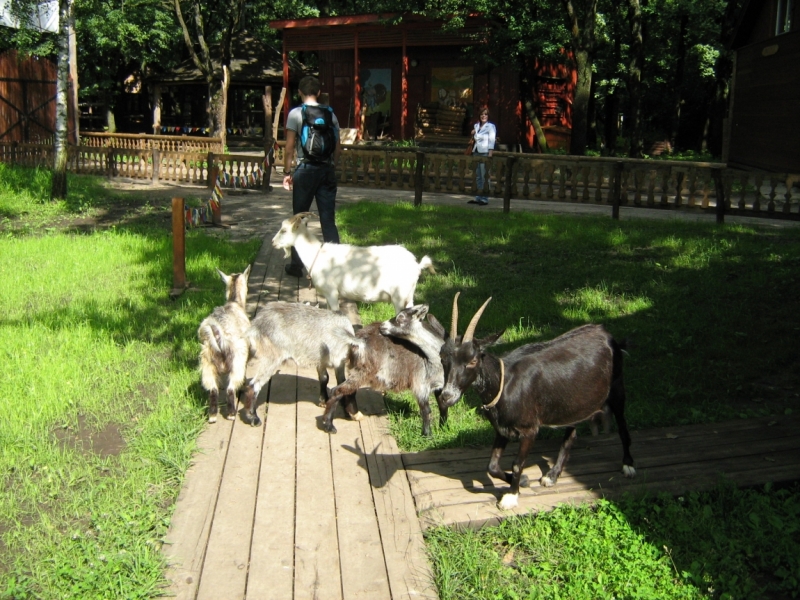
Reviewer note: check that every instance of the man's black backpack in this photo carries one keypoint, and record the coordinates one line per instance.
(318, 135)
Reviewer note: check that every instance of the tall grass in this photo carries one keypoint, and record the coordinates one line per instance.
(99, 403)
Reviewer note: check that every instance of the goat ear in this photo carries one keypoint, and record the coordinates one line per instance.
(436, 325)
(246, 273)
(490, 340)
(225, 278)
(421, 310)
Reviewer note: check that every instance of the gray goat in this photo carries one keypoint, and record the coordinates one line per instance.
(224, 349)
(310, 336)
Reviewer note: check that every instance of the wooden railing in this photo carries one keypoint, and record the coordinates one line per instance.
(691, 186)
(142, 141)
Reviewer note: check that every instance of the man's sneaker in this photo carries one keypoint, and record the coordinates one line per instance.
(293, 270)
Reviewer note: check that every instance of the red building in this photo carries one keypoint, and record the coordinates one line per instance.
(411, 80)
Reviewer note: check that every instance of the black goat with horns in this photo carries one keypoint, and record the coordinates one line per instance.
(559, 383)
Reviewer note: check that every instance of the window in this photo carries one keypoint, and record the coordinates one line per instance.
(783, 22)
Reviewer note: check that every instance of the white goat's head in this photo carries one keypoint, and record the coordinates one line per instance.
(290, 229)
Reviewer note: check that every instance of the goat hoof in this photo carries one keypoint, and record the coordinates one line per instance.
(256, 422)
(546, 481)
(524, 481)
(358, 416)
(231, 417)
(330, 428)
(508, 501)
(628, 471)
(212, 419)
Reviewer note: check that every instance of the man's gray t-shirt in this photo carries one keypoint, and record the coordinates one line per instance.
(295, 123)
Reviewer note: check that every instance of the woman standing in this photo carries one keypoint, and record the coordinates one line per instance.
(485, 134)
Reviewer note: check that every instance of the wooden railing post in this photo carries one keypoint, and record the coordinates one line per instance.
(178, 248)
(156, 164)
(616, 192)
(213, 171)
(418, 181)
(508, 183)
(716, 175)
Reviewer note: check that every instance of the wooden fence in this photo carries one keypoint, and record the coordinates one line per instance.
(142, 141)
(692, 186)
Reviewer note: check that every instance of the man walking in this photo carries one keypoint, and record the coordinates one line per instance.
(312, 130)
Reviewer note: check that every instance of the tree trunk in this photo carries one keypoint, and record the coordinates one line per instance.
(723, 71)
(680, 67)
(580, 106)
(541, 140)
(635, 80)
(218, 106)
(111, 120)
(58, 190)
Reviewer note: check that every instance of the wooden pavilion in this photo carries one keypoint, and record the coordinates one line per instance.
(764, 120)
(404, 79)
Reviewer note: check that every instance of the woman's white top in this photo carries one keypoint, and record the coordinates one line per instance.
(485, 136)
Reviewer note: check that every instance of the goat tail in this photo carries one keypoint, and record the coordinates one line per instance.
(427, 263)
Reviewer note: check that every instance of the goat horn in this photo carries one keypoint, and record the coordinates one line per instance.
(474, 323)
(454, 320)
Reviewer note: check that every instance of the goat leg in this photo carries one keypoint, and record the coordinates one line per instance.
(231, 394)
(336, 395)
(425, 413)
(443, 408)
(617, 404)
(516, 478)
(213, 399)
(250, 398)
(563, 454)
(322, 373)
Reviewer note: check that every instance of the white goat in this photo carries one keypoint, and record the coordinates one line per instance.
(363, 274)
(310, 336)
(224, 349)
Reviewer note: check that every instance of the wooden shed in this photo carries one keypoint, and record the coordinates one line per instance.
(28, 99)
(180, 96)
(764, 116)
(403, 79)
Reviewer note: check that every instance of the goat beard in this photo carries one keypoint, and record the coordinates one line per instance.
(287, 253)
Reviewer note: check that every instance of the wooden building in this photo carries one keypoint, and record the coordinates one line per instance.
(180, 97)
(764, 116)
(28, 99)
(411, 80)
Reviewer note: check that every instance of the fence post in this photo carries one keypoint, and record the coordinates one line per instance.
(716, 175)
(418, 182)
(110, 162)
(156, 164)
(616, 192)
(179, 283)
(213, 171)
(508, 183)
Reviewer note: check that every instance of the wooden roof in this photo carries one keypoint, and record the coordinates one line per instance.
(376, 31)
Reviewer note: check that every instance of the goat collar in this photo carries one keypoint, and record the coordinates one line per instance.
(313, 262)
(500, 391)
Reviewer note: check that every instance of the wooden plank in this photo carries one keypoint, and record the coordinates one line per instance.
(407, 564)
(271, 573)
(486, 512)
(227, 558)
(317, 573)
(186, 541)
(362, 564)
(587, 461)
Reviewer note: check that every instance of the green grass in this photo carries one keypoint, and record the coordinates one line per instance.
(100, 400)
(709, 312)
(727, 544)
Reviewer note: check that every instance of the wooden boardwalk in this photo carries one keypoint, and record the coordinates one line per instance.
(286, 511)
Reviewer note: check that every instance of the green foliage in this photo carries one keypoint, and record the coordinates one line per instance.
(723, 544)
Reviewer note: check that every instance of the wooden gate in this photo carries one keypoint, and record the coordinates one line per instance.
(28, 99)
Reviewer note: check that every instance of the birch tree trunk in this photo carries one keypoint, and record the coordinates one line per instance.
(582, 32)
(59, 188)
